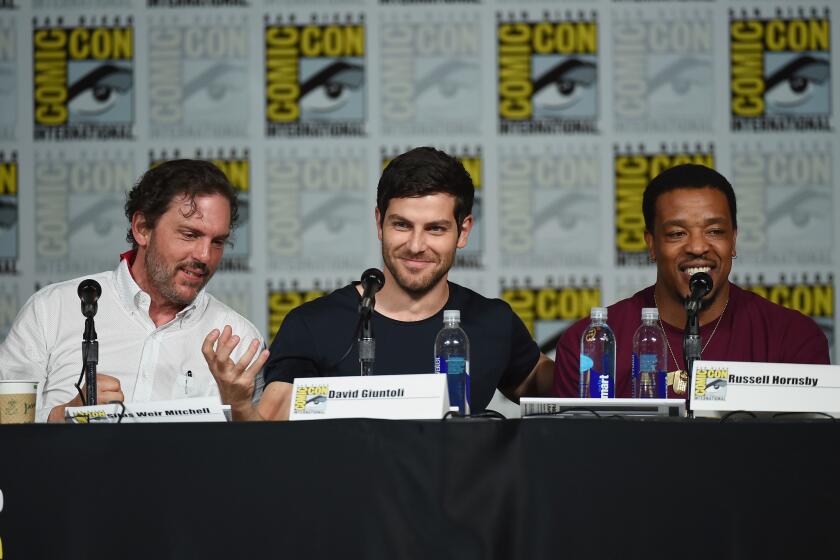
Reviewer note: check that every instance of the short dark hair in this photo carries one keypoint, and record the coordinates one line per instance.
(160, 185)
(424, 171)
(686, 176)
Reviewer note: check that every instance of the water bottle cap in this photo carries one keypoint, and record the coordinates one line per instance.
(598, 313)
(650, 314)
(451, 315)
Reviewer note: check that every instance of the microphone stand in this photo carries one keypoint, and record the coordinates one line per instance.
(90, 355)
(691, 344)
(367, 344)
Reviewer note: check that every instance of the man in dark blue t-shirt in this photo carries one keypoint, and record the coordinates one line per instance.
(423, 215)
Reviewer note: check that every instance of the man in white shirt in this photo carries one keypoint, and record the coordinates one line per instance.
(153, 313)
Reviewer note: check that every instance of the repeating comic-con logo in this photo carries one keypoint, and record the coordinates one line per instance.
(235, 163)
(780, 69)
(315, 76)
(471, 256)
(8, 306)
(663, 77)
(235, 293)
(549, 307)
(318, 215)
(785, 202)
(8, 77)
(548, 72)
(634, 167)
(83, 79)
(9, 215)
(549, 203)
(80, 225)
(431, 74)
(285, 295)
(810, 293)
(198, 76)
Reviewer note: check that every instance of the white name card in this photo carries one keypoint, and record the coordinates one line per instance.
(765, 387)
(565, 407)
(204, 409)
(395, 397)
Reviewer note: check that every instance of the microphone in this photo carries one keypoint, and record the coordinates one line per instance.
(372, 282)
(700, 284)
(89, 292)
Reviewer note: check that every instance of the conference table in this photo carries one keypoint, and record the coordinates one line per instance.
(461, 489)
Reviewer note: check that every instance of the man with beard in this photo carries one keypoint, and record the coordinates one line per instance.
(423, 215)
(691, 226)
(153, 311)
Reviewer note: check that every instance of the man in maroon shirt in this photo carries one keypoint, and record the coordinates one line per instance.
(691, 226)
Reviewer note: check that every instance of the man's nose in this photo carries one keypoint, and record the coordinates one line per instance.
(697, 243)
(417, 241)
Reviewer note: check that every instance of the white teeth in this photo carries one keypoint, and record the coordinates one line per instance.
(694, 270)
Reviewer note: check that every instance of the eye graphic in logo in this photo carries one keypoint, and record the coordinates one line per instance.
(100, 93)
(217, 91)
(567, 211)
(8, 214)
(716, 388)
(563, 86)
(450, 88)
(800, 86)
(93, 219)
(682, 84)
(804, 208)
(328, 90)
(334, 214)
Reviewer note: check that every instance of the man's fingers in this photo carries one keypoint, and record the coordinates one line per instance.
(104, 397)
(209, 341)
(107, 382)
(254, 368)
(248, 355)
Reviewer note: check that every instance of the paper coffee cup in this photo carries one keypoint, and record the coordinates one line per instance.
(17, 402)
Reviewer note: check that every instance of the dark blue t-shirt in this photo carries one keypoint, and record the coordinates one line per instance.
(315, 335)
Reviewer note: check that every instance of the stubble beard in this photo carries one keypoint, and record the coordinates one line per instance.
(416, 286)
(163, 279)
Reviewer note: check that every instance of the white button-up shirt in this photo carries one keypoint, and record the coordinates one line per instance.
(152, 363)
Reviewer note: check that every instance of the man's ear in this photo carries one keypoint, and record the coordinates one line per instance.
(466, 227)
(378, 219)
(649, 243)
(140, 229)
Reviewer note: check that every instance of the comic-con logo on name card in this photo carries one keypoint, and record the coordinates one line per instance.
(9, 214)
(471, 256)
(785, 201)
(662, 70)
(710, 383)
(83, 79)
(549, 199)
(810, 293)
(80, 224)
(430, 71)
(285, 295)
(318, 213)
(311, 399)
(198, 76)
(315, 76)
(634, 167)
(547, 72)
(235, 163)
(8, 78)
(550, 305)
(780, 69)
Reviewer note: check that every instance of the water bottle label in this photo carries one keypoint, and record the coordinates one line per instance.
(648, 362)
(600, 386)
(662, 384)
(453, 365)
(586, 363)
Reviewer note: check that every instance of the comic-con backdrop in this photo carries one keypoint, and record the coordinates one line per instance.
(560, 111)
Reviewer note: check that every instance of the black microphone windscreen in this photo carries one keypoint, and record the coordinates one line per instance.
(373, 274)
(90, 289)
(700, 281)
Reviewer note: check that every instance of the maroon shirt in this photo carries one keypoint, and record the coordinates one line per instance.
(752, 329)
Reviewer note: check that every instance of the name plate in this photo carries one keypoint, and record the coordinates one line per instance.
(204, 409)
(395, 397)
(566, 407)
(765, 387)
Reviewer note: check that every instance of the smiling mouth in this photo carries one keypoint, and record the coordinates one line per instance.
(691, 271)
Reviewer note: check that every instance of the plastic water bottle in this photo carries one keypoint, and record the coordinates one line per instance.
(597, 358)
(452, 357)
(649, 358)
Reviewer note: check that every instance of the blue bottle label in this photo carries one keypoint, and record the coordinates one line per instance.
(600, 386)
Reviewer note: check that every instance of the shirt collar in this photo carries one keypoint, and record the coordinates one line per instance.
(133, 297)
